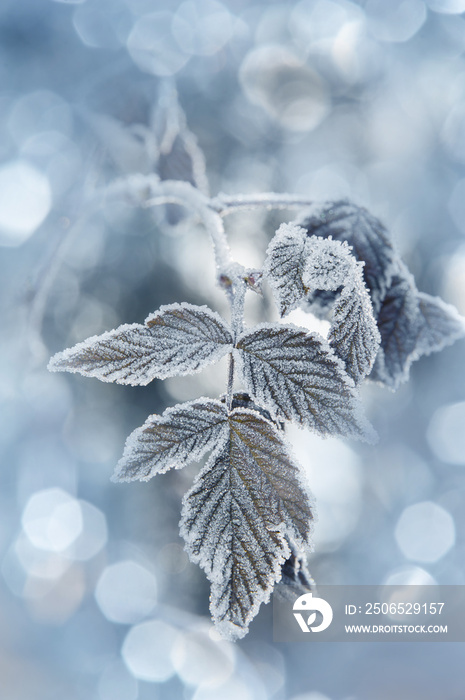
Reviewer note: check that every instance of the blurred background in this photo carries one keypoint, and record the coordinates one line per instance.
(321, 98)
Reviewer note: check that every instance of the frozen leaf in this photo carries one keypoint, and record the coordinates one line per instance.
(296, 579)
(366, 235)
(440, 324)
(183, 160)
(320, 304)
(399, 326)
(284, 266)
(180, 155)
(298, 264)
(411, 324)
(297, 375)
(183, 434)
(237, 518)
(329, 264)
(177, 339)
(354, 335)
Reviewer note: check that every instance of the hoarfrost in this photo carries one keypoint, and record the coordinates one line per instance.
(298, 264)
(296, 579)
(297, 375)
(440, 324)
(369, 239)
(183, 434)
(177, 339)
(284, 266)
(411, 324)
(242, 509)
(328, 266)
(354, 335)
(398, 323)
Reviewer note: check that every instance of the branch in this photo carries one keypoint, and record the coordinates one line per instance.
(226, 204)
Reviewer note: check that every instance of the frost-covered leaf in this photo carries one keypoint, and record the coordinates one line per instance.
(183, 160)
(297, 264)
(183, 434)
(180, 155)
(354, 335)
(366, 235)
(297, 375)
(411, 324)
(399, 326)
(296, 579)
(284, 266)
(329, 264)
(238, 516)
(177, 339)
(440, 324)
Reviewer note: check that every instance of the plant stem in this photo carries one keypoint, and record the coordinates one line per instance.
(226, 204)
(184, 194)
(229, 394)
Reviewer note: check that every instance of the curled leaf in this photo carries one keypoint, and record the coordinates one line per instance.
(284, 266)
(398, 324)
(368, 238)
(298, 265)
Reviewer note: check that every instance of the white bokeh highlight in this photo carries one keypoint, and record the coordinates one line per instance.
(409, 576)
(200, 661)
(52, 520)
(126, 592)
(25, 201)
(446, 434)
(425, 532)
(153, 47)
(334, 474)
(447, 7)
(147, 651)
(202, 27)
